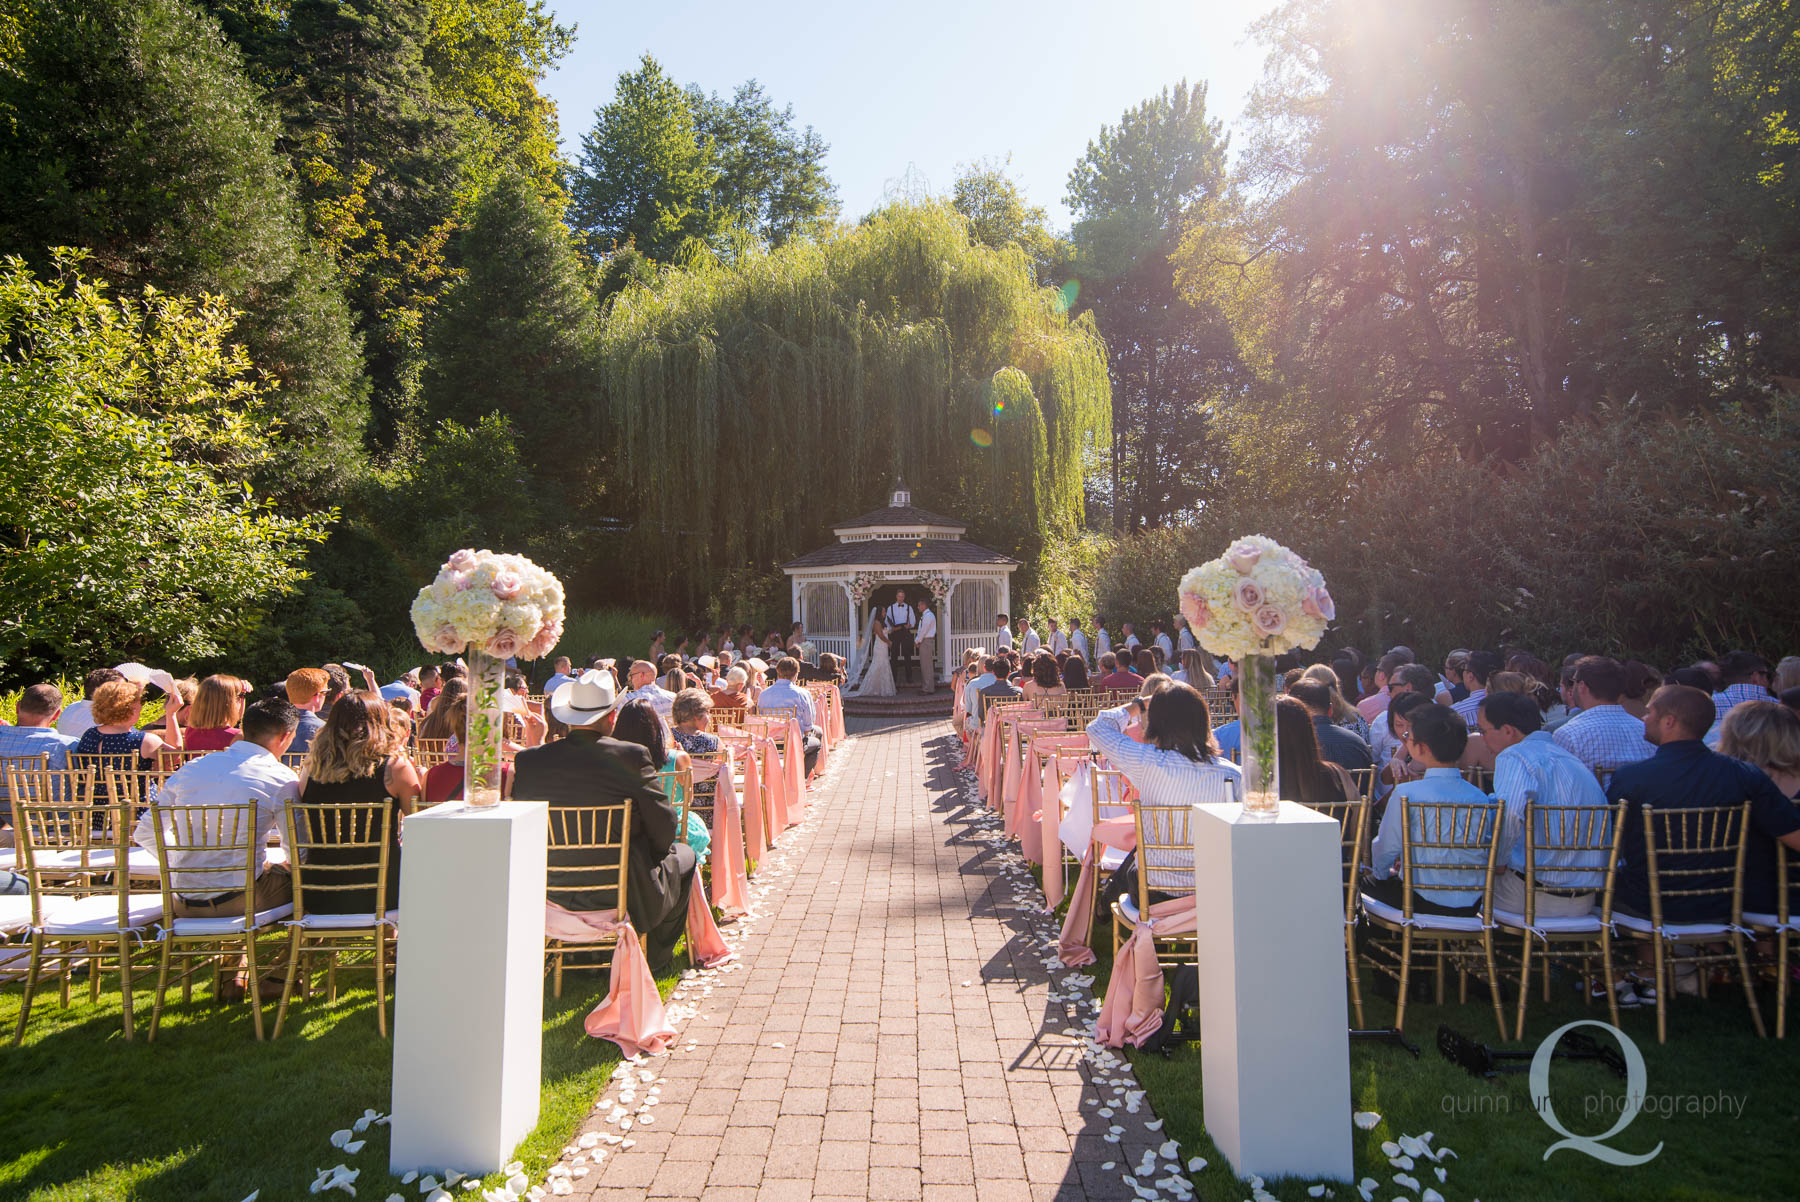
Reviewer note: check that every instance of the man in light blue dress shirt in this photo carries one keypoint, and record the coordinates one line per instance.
(1528, 764)
(1604, 735)
(1438, 740)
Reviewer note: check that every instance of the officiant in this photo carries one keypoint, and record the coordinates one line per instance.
(902, 624)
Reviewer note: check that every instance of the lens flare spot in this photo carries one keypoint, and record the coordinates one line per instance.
(1065, 296)
(981, 437)
(999, 408)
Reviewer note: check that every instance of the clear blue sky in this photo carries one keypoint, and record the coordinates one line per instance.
(928, 85)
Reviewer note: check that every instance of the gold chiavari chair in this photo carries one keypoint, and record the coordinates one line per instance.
(1365, 782)
(1165, 865)
(590, 863)
(1694, 858)
(1352, 817)
(1429, 831)
(705, 792)
(130, 779)
(728, 715)
(1780, 925)
(1593, 834)
(429, 753)
(170, 762)
(1481, 778)
(82, 909)
(338, 854)
(205, 831)
(294, 760)
(678, 786)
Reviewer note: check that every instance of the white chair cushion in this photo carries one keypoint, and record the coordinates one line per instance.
(1573, 924)
(232, 924)
(1422, 922)
(99, 915)
(1129, 908)
(15, 914)
(1672, 930)
(342, 922)
(1770, 921)
(1111, 858)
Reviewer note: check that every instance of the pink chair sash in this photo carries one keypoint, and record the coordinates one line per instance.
(984, 759)
(756, 835)
(1072, 948)
(775, 786)
(1022, 814)
(729, 877)
(631, 1014)
(796, 771)
(1133, 1009)
(706, 946)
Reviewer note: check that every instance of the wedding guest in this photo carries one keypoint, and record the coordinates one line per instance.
(1159, 638)
(1746, 677)
(590, 768)
(1334, 743)
(1173, 764)
(117, 706)
(1029, 642)
(1641, 681)
(733, 694)
(79, 715)
(1377, 699)
(1683, 773)
(562, 672)
(1529, 763)
(1075, 673)
(1145, 662)
(305, 690)
(1787, 675)
(656, 646)
(642, 678)
(1767, 735)
(1045, 679)
(991, 667)
(34, 734)
(1456, 663)
(212, 724)
(1194, 671)
(338, 683)
(1102, 640)
(1128, 639)
(1001, 688)
(786, 694)
(1116, 677)
(1306, 775)
(441, 723)
(1055, 639)
(692, 710)
(1480, 668)
(1341, 711)
(1602, 736)
(1184, 638)
(356, 758)
(1397, 764)
(1003, 639)
(1438, 737)
(431, 683)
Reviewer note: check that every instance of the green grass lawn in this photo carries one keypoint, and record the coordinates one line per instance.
(206, 1112)
(1495, 1130)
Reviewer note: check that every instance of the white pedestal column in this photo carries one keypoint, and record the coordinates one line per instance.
(1274, 1031)
(469, 994)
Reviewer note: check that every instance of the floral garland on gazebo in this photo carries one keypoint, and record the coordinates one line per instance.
(937, 584)
(861, 585)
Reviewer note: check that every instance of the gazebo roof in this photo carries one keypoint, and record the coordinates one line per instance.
(909, 516)
(895, 552)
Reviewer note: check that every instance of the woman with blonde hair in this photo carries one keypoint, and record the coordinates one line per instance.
(356, 757)
(1766, 734)
(1787, 674)
(117, 706)
(212, 723)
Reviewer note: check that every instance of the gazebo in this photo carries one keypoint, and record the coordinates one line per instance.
(901, 546)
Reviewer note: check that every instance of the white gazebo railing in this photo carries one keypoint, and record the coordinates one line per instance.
(960, 643)
(835, 644)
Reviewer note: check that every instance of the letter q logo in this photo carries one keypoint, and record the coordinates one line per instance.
(1593, 1145)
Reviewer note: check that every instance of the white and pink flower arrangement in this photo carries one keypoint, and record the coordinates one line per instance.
(502, 605)
(1259, 598)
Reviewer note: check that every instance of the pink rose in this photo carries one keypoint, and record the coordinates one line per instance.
(445, 639)
(1242, 556)
(1319, 604)
(1270, 620)
(461, 561)
(547, 637)
(1194, 609)
(508, 585)
(504, 644)
(1248, 595)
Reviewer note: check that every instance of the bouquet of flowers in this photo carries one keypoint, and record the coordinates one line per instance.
(1259, 598)
(501, 605)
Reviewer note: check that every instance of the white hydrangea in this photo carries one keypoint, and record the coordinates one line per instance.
(1259, 598)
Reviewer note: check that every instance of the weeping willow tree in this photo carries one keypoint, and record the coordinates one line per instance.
(757, 401)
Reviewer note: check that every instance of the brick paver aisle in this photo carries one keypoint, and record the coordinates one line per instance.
(891, 1033)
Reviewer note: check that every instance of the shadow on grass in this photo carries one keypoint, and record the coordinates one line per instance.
(206, 1112)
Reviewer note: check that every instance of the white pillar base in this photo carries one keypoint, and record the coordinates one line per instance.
(469, 992)
(1275, 1044)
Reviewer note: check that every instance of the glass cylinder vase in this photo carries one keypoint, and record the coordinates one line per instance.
(1257, 738)
(482, 734)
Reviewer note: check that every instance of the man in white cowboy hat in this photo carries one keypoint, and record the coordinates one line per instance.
(590, 768)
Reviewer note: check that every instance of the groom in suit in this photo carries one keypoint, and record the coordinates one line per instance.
(901, 623)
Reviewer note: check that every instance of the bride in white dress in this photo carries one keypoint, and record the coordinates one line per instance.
(878, 673)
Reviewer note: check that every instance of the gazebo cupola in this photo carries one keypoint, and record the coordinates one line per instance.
(901, 546)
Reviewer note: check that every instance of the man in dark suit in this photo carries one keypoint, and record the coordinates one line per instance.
(590, 768)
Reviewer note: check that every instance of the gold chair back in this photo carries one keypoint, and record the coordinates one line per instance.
(430, 753)
(358, 834)
(1429, 828)
(184, 830)
(1697, 855)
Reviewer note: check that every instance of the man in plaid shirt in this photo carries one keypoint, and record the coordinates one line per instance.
(1603, 735)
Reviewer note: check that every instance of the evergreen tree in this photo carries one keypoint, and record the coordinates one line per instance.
(515, 336)
(134, 134)
(646, 175)
(771, 177)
